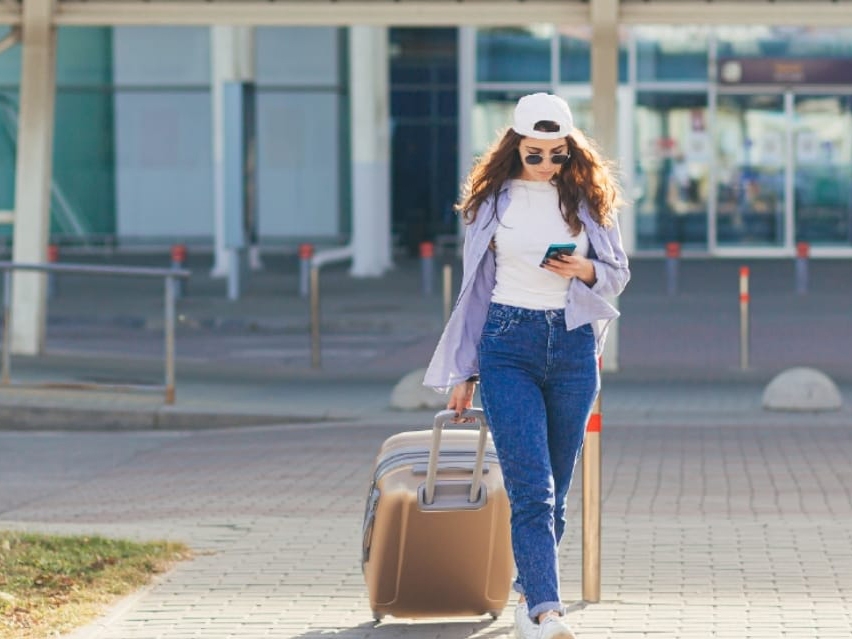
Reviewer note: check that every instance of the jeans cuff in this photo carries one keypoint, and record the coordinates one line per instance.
(546, 606)
(518, 588)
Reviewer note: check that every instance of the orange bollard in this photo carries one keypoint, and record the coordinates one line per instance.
(306, 253)
(178, 253)
(427, 266)
(803, 252)
(672, 266)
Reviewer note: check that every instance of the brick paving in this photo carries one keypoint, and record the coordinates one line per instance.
(720, 519)
(708, 532)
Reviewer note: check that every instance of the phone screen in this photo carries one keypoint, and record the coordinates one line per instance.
(558, 249)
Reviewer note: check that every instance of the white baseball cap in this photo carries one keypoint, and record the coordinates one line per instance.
(536, 107)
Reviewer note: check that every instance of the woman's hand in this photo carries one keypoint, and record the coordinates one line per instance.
(569, 266)
(461, 398)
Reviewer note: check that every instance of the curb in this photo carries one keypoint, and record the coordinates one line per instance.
(40, 418)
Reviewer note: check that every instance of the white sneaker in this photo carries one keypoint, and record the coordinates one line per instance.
(555, 627)
(524, 626)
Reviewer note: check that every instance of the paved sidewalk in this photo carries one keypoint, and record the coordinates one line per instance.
(721, 519)
(708, 532)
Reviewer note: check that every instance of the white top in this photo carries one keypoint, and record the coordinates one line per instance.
(531, 223)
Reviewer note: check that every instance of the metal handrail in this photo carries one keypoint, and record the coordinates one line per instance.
(170, 275)
(321, 258)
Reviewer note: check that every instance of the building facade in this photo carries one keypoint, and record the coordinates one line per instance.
(731, 141)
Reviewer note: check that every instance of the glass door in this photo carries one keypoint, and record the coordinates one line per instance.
(823, 169)
(671, 168)
(751, 154)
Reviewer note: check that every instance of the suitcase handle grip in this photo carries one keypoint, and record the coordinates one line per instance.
(443, 418)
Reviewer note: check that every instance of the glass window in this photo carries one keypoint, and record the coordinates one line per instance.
(82, 204)
(492, 114)
(10, 62)
(671, 53)
(784, 42)
(8, 151)
(575, 55)
(823, 169)
(751, 147)
(520, 54)
(672, 172)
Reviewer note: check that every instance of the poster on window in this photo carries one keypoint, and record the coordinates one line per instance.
(772, 149)
(807, 148)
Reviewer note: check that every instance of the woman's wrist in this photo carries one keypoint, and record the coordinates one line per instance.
(472, 379)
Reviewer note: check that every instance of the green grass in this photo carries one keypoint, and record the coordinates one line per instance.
(51, 584)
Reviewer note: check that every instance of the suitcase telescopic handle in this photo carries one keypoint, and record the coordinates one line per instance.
(443, 418)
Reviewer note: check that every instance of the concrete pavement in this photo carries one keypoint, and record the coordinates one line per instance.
(707, 532)
(720, 519)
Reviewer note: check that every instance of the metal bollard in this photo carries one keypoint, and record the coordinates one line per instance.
(427, 266)
(52, 257)
(178, 262)
(592, 505)
(803, 251)
(306, 252)
(672, 266)
(744, 327)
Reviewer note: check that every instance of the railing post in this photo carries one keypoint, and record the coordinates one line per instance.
(53, 258)
(315, 318)
(5, 374)
(170, 339)
(592, 505)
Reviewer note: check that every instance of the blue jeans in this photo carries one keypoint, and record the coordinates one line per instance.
(538, 382)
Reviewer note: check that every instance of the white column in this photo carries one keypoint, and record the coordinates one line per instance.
(604, 14)
(33, 174)
(467, 102)
(232, 59)
(370, 138)
(627, 214)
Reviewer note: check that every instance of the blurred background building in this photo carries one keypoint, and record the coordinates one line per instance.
(732, 140)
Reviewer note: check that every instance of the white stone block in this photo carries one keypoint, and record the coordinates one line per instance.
(802, 389)
(410, 393)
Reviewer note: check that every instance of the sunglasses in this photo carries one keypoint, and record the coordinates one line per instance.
(538, 158)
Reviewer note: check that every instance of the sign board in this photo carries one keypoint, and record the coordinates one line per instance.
(784, 71)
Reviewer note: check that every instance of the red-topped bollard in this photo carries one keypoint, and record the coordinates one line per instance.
(592, 503)
(672, 266)
(745, 299)
(427, 266)
(178, 262)
(306, 253)
(803, 253)
(52, 258)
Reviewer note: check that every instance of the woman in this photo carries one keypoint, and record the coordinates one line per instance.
(530, 330)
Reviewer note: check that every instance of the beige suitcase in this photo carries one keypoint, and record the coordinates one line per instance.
(436, 528)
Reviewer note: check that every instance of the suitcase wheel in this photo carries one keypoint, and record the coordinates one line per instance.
(377, 617)
(494, 614)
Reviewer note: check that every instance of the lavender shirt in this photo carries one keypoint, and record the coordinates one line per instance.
(457, 355)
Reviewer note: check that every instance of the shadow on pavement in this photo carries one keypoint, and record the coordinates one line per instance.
(420, 629)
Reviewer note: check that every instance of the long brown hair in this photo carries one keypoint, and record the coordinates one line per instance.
(586, 176)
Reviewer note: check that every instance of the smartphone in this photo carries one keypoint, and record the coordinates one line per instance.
(558, 249)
